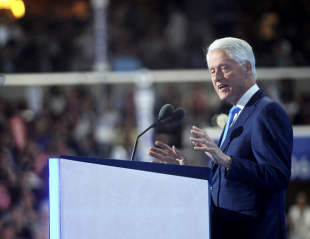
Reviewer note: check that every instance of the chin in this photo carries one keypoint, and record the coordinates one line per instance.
(223, 97)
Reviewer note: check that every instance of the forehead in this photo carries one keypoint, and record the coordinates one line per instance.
(220, 57)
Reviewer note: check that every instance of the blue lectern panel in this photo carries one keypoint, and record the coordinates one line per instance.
(177, 170)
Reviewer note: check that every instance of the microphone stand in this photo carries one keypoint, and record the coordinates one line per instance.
(156, 124)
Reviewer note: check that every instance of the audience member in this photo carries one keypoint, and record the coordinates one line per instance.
(298, 218)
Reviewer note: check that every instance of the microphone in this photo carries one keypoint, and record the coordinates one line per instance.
(178, 115)
(165, 112)
(167, 115)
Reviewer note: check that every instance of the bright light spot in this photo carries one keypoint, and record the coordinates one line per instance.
(17, 7)
(6, 4)
(221, 120)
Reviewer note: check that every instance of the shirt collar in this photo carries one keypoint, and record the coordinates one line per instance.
(247, 96)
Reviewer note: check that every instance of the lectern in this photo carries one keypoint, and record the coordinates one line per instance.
(106, 198)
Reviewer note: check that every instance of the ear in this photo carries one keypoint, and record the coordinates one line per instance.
(247, 68)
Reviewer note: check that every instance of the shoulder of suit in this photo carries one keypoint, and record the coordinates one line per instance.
(265, 104)
(268, 101)
(261, 100)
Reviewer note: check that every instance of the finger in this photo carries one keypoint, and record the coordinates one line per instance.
(171, 160)
(208, 137)
(202, 149)
(199, 133)
(182, 159)
(203, 142)
(159, 151)
(177, 152)
(198, 129)
(156, 156)
(162, 158)
(198, 140)
(163, 146)
(198, 144)
(203, 135)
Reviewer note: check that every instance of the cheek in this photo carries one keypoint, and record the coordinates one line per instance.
(214, 85)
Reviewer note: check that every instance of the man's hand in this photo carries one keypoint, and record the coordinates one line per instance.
(166, 154)
(206, 144)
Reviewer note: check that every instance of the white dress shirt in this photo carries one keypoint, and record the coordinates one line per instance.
(244, 100)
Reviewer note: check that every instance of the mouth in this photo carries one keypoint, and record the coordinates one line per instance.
(222, 86)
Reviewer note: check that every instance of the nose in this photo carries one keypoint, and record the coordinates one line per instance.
(218, 75)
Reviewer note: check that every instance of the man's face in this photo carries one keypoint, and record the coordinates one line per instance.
(230, 80)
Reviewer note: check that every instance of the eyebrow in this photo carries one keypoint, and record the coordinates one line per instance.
(219, 66)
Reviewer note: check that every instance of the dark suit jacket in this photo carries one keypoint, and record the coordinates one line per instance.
(248, 200)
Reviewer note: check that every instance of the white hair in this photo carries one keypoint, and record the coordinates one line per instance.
(236, 49)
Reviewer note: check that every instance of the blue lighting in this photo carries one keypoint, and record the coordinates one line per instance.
(54, 199)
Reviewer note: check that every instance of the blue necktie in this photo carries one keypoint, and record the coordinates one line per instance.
(231, 115)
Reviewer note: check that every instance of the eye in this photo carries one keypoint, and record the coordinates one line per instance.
(224, 68)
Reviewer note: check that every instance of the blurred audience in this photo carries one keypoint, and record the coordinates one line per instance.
(298, 218)
(157, 35)
(287, 96)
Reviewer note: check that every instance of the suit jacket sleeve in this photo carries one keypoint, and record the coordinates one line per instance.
(271, 144)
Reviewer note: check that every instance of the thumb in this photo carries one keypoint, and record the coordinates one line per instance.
(177, 152)
(182, 159)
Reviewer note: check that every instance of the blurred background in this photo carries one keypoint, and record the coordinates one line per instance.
(86, 77)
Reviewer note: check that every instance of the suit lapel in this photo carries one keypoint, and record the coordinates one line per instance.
(243, 117)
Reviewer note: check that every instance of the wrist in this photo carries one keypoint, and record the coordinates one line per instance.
(229, 163)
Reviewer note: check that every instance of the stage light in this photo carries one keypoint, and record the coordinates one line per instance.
(16, 6)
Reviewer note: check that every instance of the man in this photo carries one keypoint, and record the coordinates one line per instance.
(299, 217)
(252, 162)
